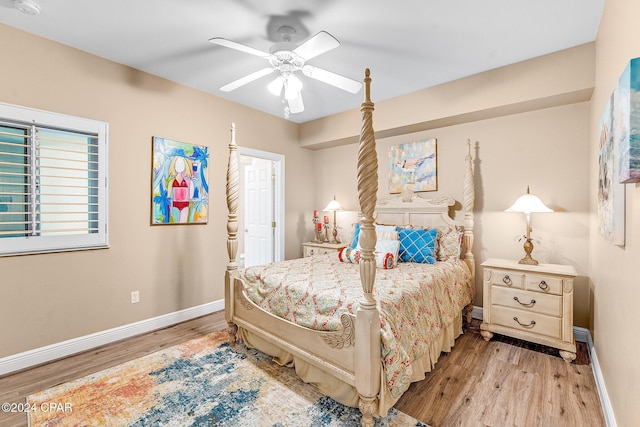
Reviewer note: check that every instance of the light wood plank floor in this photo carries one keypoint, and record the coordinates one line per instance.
(477, 384)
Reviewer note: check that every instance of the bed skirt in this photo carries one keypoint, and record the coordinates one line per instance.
(346, 393)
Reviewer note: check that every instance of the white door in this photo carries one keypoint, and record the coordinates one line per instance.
(258, 213)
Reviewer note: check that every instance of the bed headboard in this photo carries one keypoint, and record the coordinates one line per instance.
(417, 211)
(411, 209)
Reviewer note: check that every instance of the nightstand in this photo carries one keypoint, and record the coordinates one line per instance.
(312, 248)
(530, 302)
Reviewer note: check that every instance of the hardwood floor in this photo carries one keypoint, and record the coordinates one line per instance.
(499, 383)
(505, 382)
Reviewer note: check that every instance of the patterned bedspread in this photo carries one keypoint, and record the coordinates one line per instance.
(415, 301)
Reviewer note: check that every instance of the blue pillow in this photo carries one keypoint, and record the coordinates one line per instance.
(356, 235)
(418, 245)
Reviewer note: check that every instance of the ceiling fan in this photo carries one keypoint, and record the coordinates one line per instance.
(288, 58)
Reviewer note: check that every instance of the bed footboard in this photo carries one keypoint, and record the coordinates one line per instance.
(332, 352)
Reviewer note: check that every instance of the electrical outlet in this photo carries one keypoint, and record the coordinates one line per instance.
(135, 297)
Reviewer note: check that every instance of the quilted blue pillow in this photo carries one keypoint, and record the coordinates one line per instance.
(418, 245)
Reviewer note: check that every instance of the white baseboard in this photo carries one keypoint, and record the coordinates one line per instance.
(607, 410)
(62, 349)
(583, 335)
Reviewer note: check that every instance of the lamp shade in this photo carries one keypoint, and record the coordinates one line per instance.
(333, 206)
(275, 87)
(528, 203)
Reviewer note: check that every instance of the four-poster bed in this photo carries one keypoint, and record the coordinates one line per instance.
(353, 351)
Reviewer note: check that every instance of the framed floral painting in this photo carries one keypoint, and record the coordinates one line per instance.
(180, 188)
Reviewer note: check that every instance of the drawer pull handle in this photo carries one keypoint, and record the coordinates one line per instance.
(507, 280)
(543, 285)
(524, 303)
(532, 323)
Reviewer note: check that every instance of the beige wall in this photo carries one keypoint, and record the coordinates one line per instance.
(614, 276)
(557, 79)
(51, 298)
(544, 146)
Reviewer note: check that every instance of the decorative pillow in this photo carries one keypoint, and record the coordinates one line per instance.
(384, 260)
(385, 228)
(356, 235)
(383, 232)
(418, 245)
(349, 254)
(389, 246)
(387, 235)
(449, 242)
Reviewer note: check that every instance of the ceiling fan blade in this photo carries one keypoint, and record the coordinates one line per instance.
(242, 48)
(296, 105)
(247, 79)
(333, 79)
(316, 45)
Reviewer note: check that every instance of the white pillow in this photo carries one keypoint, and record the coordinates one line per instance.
(384, 228)
(389, 246)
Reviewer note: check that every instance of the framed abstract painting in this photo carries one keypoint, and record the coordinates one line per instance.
(611, 193)
(413, 163)
(628, 126)
(180, 187)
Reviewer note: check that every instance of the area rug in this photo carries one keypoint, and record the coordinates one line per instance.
(202, 382)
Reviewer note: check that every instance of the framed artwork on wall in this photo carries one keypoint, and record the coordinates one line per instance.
(413, 163)
(180, 187)
(628, 127)
(611, 193)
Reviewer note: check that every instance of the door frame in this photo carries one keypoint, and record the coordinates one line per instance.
(278, 196)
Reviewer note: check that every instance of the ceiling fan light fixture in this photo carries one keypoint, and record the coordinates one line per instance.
(275, 87)
(287, 58)
(292, 87)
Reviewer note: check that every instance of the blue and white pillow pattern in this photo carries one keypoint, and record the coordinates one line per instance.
(409, 244)
(418, 245)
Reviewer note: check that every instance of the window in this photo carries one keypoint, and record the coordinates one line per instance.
(53, 182)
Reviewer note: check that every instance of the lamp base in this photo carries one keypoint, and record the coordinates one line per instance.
(528, 248)
(528, 260)
(335, 234)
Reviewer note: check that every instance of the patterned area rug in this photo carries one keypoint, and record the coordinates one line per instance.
(202, 382)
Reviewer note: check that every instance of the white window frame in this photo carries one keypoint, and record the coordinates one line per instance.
(69, 242)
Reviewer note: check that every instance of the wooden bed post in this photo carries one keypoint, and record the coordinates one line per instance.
(469, 200)
(367, 364)
(232, 232)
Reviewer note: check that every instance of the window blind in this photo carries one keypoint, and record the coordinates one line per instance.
(50, 187)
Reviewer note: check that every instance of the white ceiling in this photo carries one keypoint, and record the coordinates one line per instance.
(408, 44)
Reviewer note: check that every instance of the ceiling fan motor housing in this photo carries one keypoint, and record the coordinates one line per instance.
(284, 59)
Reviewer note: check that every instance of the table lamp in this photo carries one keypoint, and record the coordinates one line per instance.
(334, 206)
(528, 204)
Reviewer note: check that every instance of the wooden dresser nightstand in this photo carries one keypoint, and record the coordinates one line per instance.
(530, 302)
(312, 248)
